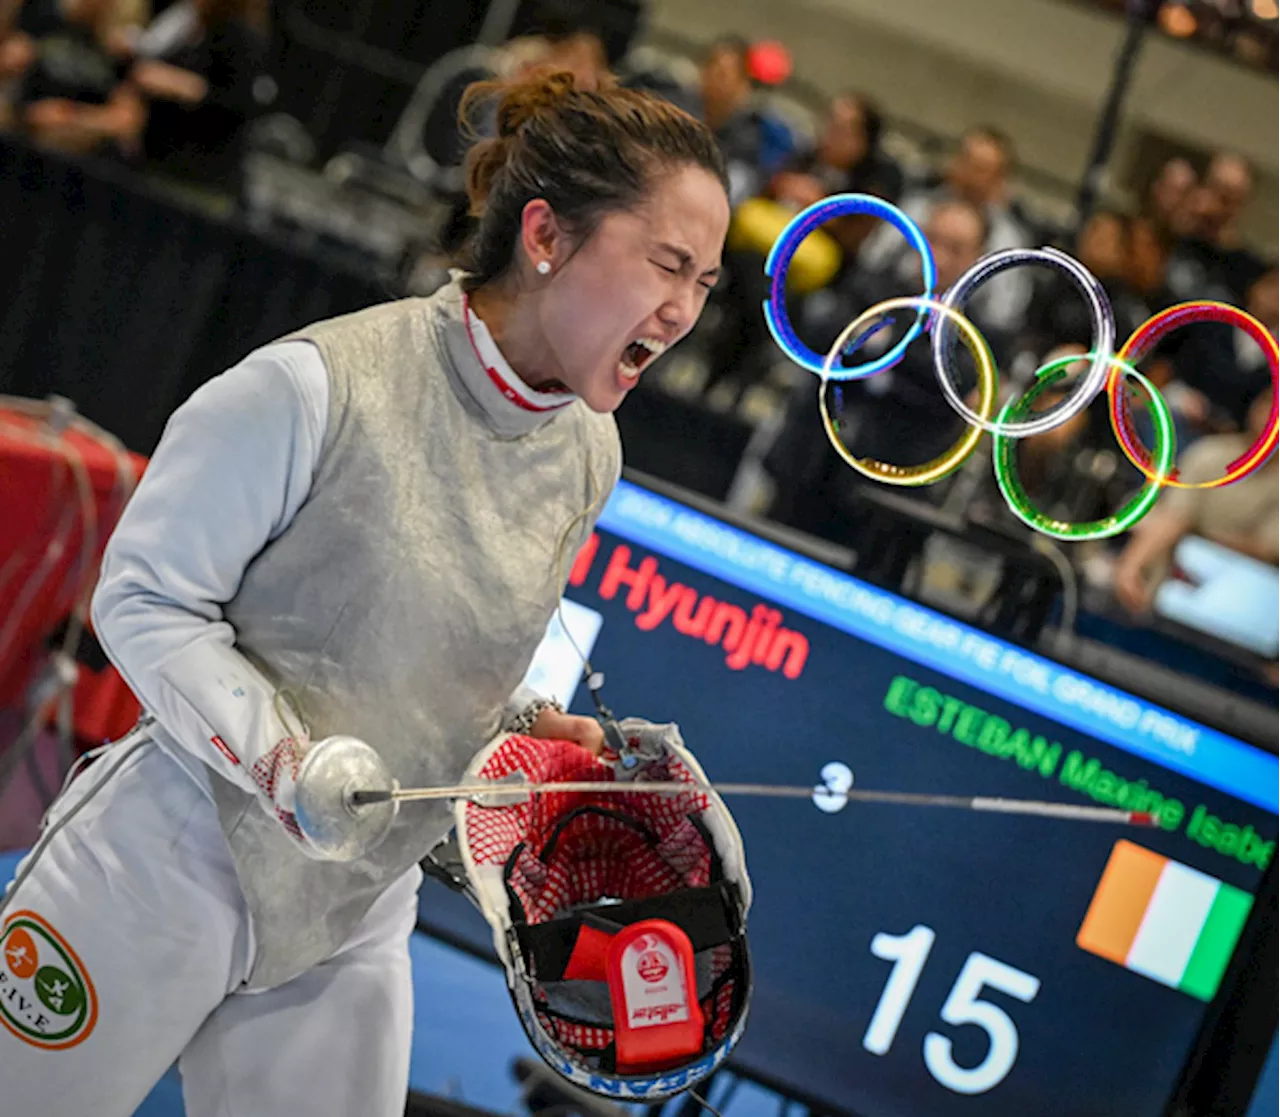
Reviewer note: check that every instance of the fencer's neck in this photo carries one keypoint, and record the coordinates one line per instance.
(512, 319)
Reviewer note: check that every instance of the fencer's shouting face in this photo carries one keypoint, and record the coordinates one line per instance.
(618, 295)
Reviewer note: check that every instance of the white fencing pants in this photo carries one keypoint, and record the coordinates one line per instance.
(126, 948)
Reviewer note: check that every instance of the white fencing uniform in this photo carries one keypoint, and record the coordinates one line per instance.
(373, 524)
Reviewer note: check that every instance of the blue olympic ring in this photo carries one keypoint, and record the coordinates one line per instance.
(784, 248)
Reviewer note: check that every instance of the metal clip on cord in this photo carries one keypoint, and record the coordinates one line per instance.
(628, 760)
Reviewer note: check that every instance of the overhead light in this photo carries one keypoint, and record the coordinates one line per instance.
(1266, 9)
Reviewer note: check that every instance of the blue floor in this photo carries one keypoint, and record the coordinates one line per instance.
(465, 1036)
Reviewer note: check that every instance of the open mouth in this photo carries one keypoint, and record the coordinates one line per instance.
(637, 355)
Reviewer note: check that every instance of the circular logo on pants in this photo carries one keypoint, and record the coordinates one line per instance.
(46, 997)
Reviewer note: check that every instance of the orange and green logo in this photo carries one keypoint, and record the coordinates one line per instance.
(46, 997)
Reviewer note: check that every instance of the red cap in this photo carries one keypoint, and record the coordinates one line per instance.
(769, 62)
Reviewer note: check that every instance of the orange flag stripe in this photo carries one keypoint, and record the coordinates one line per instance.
(1120, 901)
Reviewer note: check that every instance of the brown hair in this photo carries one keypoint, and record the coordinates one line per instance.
(586, 152)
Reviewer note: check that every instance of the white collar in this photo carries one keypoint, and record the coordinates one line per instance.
(501, 373)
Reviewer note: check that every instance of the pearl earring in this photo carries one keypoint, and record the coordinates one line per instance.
(544, 267)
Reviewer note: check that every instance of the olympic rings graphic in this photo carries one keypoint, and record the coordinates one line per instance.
(1145, 338)
(784, 248)
(948, 461)
(945, 317)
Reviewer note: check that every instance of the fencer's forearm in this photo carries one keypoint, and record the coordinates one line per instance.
(208, 697)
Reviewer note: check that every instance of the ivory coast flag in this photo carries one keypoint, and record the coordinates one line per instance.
(1164, 920)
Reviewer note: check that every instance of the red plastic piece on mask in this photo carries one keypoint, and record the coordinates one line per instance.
(590, 955)
(653, 987)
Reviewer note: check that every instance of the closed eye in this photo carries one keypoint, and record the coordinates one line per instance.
(705, 284)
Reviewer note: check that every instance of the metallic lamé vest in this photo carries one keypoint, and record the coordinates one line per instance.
(404, 602)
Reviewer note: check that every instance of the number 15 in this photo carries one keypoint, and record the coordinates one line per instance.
(964, 1005)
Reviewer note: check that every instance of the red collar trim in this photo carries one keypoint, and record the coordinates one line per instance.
(499, 381)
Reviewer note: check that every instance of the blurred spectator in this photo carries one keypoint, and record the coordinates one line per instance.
(200, 64)
(1168, 196)
(1213, 258)
(1230, 179)
(72, 96)
(753, 142)
(1241, 516)
(1113, 248)
(1169, 367)
(847, 159)
(1058, 314)
(1148, 262)
(725, 107)
(976, 174)
(1103, 241)
(1223, 363)
(724, 83)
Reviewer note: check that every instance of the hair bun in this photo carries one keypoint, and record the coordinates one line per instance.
(518, 100)
(521, 100)
(590, 148)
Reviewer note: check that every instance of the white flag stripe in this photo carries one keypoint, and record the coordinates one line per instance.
(1172, 923)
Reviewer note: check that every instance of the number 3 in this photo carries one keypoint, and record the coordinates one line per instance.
(964, 1006)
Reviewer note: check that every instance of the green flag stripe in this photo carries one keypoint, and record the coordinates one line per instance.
(1217, 940)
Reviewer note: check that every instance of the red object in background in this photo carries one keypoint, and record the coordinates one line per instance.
(653, 988)
(105, 708)
(44, 514)
(769, 62)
